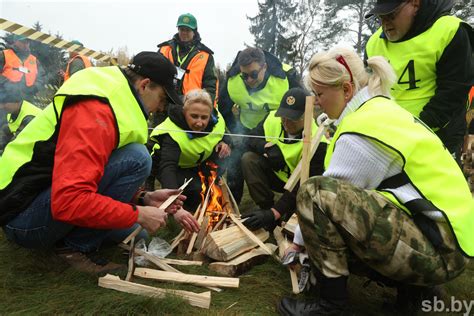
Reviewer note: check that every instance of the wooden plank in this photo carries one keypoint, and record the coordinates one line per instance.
(283, 244)
(295, 176)
(202, 300)
(200, 280)
(163, 207)
(159, 262)
(308, 121)
(242, 263)
(252, 236)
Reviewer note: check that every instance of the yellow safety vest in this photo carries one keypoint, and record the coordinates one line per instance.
(414, 62)
(193, 150)
(428, 166)
(106, 83)
(254, 107)
(26, 109)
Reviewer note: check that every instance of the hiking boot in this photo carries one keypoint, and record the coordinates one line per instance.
(291, 307)
(90, 263)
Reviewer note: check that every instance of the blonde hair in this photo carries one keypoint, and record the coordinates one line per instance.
(327, 68)
(198, 96)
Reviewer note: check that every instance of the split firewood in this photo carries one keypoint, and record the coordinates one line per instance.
(202, 232)
(200, 219)
(113, 282)
(131, 260)
(225, 244)
(291, 224)
(228, 196)
(159, 262)
(283, 244)
(242, 263)
(200, 280)
(163, 207)
(252, 236)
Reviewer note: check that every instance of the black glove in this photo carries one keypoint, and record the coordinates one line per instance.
(275, 157)
(260, 219)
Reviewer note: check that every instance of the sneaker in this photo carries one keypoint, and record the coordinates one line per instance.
(90, 263)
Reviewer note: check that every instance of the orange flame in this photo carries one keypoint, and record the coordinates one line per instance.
(214, 207)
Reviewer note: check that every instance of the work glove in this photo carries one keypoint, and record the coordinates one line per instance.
(260, 219)
(275, 157)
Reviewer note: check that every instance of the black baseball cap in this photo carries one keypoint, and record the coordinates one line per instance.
(293, 104)
(383, 7)
(157, 68)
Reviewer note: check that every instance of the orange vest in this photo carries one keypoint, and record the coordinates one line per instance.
(471, 95)
(194, 70)
(14, 69)
(85, 60)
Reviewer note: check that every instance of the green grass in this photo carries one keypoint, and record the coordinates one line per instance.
(34, 282)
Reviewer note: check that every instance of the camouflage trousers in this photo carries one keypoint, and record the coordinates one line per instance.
(342, 224)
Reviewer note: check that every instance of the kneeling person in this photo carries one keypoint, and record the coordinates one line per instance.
(270, 161)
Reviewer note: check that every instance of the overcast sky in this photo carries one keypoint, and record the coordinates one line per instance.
(138, 24)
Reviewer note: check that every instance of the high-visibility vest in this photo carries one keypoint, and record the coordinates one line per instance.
(441, 185)
(414, 62)
(193, 150)
(34, 147)
(292, 152)
(255, 106)
(85, 60)
(26, 109)
(194, 69)
(14, 69)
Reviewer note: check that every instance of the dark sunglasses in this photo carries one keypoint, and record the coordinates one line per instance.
(253, 74)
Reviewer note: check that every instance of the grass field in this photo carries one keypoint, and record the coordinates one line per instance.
(34, 282)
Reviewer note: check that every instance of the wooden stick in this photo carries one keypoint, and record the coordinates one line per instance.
(202, 300)
(163, 207)
(295, 176)
(308, 121)
(200, 280)
(252, 236)
(219, 223)
(201, 215)
(235, 206)
(202, 232)
(131, 261)
(283, 244)
(159, 262)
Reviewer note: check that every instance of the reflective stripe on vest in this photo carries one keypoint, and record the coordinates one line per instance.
(195, 150)
(97, 82)
(414, 62)
(26, 109)
(14, 69)
(291, 151)
(194, 69)
(85, 60)
(441, 183)
(254, 107)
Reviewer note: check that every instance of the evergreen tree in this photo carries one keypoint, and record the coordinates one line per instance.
(270, 28)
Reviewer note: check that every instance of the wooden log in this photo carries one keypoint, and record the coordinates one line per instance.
(295, 176)
(202, 300)
(226, 244)
(242, 263)
(163, 207)
(283, 244)
(200, 280)
(308, 121)
(159, 262)
(252, 236)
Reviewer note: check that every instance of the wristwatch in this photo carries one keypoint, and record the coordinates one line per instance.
(141, 198)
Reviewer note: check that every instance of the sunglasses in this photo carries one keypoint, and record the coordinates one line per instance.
(391, 16)
(253, 74)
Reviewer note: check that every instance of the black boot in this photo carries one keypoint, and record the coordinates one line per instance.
(410, 297)
(333, 299)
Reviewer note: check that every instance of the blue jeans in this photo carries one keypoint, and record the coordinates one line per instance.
(126, 170)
